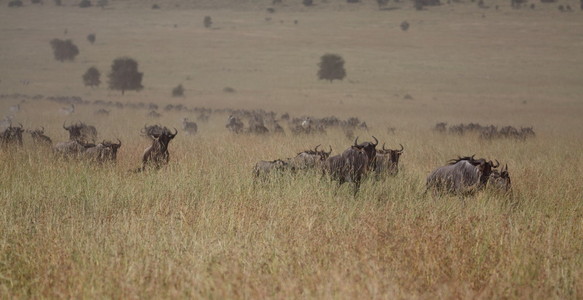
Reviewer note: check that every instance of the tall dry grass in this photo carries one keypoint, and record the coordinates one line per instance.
(201, 228)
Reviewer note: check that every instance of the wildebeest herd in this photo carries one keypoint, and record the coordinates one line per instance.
(462, 176)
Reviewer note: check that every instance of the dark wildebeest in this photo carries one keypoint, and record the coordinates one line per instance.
(103, 152)
(462, 176)
(39, 137)
(234, 124)
(11, 136)
(387, 161)
(190, 127)
(81, 132)
(157, 154)
(353, 164)
(309, 159)
(263, 169)
(500, 180)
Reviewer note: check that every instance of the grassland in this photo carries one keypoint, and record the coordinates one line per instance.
(201, 228)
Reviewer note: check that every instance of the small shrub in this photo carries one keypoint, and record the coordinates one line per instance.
(178, 91)
(102, 3)
(208, 22)
(58, 2)
(36, 1)
(228, 89)
(382, 3)
(331, 67)
(15, 3)
(85, 3)
(308, 2)
(404, 25)
(155, 6)
(92, 77)
(270, 10)
(64, 49)
(91, 38)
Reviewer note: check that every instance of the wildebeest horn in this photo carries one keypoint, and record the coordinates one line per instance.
(330, 149)
(356, 142)
(316, 149)
(20, 125)
(497, 164)
(118, 143)
(384, 147)
(402, 148)
(65, 127)
(175, 132)
(43, 128)
(377, 141)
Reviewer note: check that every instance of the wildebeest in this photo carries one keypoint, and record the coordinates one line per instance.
(71, 148)
(387, 161)
(500, 180)
(67, 110)
(39, 137)
(353, 164)
(463, 175)
(103, 152)
(11, 136)
(263, 169)
(190, 127)
(81, 132)
(234, 124)
(157, 154)
(309, 159)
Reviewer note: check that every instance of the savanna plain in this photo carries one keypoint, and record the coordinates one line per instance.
(201, 227)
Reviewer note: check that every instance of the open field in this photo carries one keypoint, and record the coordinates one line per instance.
(200, 227)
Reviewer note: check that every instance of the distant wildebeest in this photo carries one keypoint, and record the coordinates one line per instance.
(39, 138)
(234, 124)
(387, 161)
(353, 164)
(157, 154)
(81, 132)
(464, 175)
(190, 127)
(102, 112)
(263, 169)
(154, 114)
(103, 152)
(440, 127)
(67, 110)
(11, 136)
(500, 180)
(309, 159)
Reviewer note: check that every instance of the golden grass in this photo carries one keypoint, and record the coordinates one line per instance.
(201, 228)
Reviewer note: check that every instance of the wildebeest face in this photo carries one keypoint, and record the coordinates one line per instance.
(368, 147)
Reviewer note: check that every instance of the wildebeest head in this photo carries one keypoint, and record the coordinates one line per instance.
(500, 180)
(12, 135)
(113, 147)
(368, 147)
(81, 132)
(388, 160)
(39, 137)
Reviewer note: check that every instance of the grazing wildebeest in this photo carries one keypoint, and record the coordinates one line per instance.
(353, 164)
(102, 112)
(11, 136)
(190, 127)
(387, 161)
(154, 114)
(103, 152)
(71, 148)
(463, 175)
(263, 168)
(39, 137)
(81, 132)
(500, 180)
(157, 154)
(309, 159)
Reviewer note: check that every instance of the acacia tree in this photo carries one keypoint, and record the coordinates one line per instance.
(331, 67)
(91, 77)
(124, 75)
